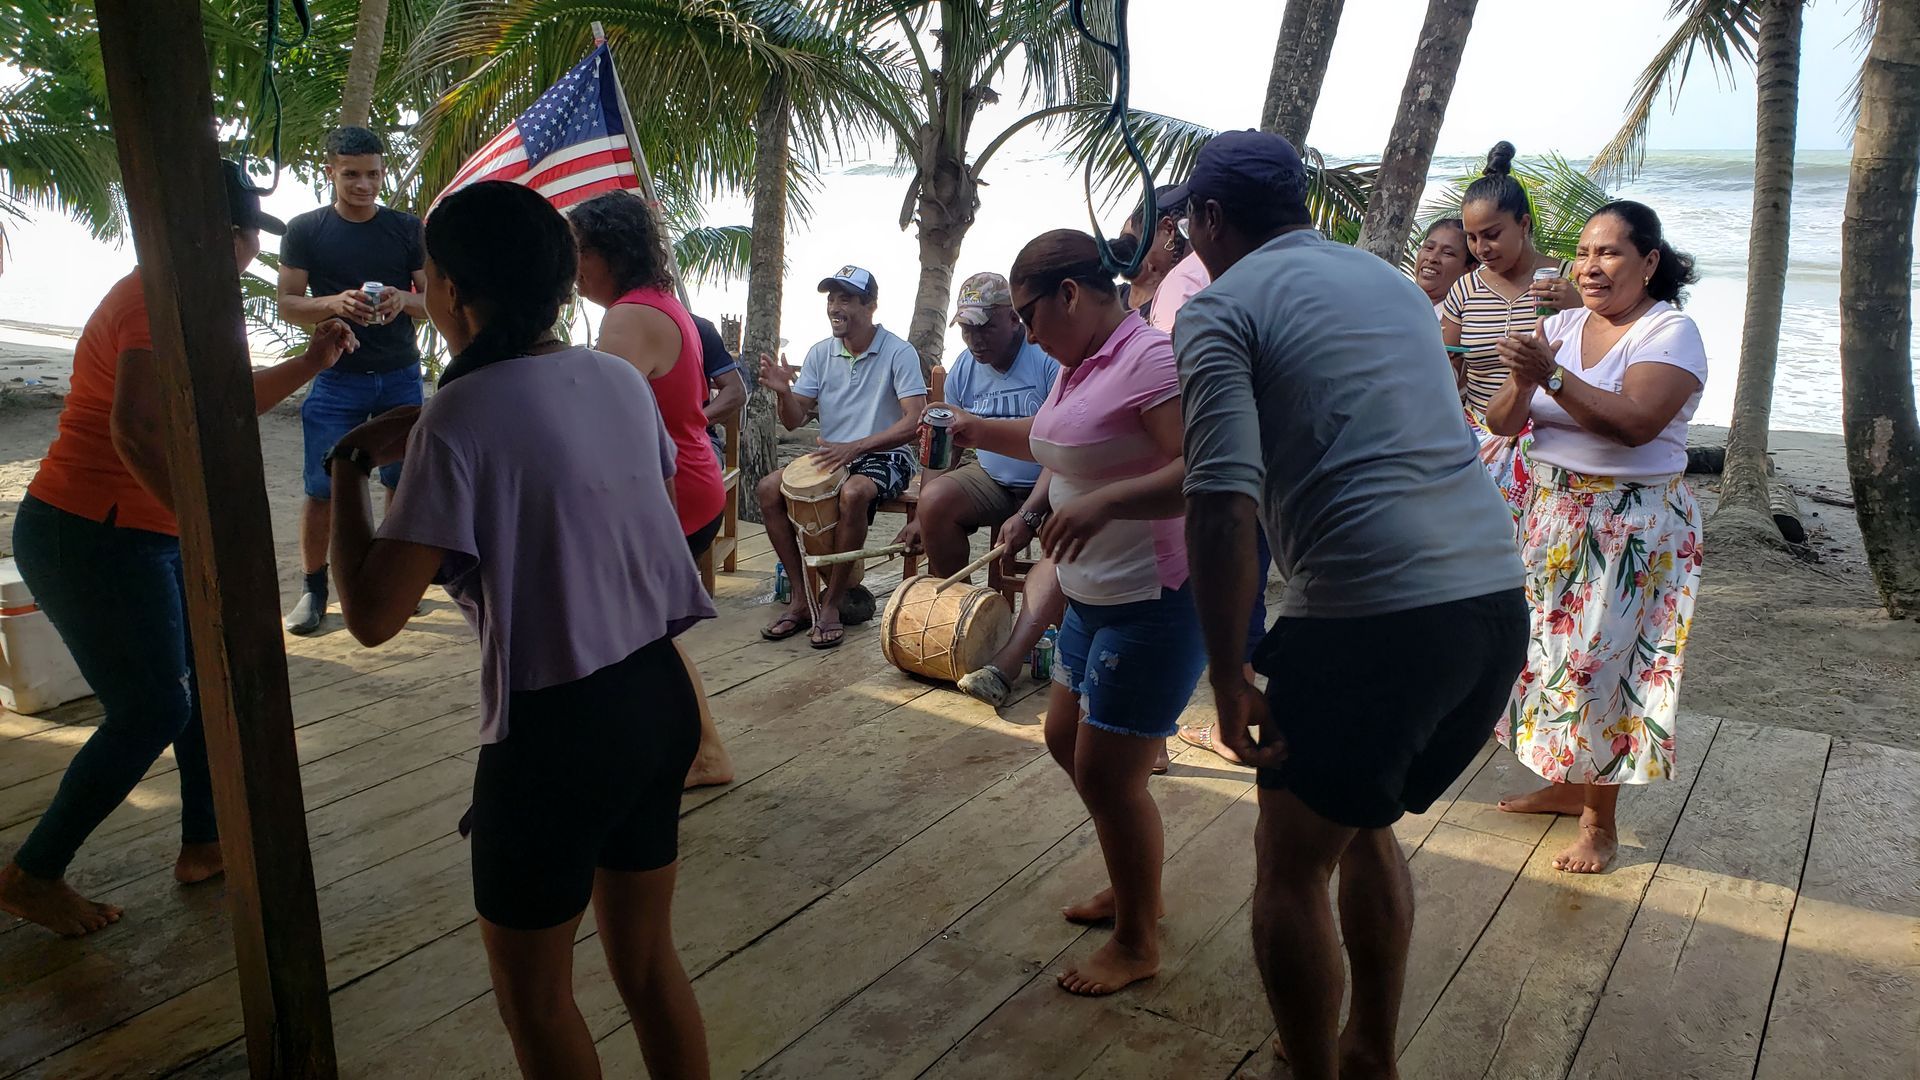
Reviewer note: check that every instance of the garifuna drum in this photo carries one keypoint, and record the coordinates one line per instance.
(813, 502)
(943, 634)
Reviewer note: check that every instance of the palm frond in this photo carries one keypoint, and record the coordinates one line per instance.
(712, 253)
(1722, 31)
(1564, 197)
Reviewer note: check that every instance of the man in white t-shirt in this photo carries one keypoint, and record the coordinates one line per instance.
(865, 385)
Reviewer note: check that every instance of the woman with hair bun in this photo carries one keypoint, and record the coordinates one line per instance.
(537, 491)
(1496, 300)
(1610, 535)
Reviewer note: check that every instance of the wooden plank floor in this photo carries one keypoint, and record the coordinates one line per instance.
(878, 895)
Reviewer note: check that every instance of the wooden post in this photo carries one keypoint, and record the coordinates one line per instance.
(159, 89)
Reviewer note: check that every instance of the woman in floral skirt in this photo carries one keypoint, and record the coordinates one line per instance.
(1610, 534)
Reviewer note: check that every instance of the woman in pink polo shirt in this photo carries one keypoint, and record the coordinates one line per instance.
(1129, 650)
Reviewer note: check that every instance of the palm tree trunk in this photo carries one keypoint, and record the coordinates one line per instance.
(1876, 310)
(759, 444)
(1423, 105)
(949, 198)
(363, 67)
(1299, 67)
(1743, 484)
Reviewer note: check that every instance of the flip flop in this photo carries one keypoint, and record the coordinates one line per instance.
(794, 623)
(839, 632)
(1202, 737)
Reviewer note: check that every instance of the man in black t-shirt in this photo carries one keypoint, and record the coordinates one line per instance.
(327, 257)
(726, 387)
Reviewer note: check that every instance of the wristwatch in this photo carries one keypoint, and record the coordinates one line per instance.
(1034, 518)
(352, 455)
(1556, 380)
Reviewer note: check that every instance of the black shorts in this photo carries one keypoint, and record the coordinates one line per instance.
(890, 470)
(588, 777)
(701, 539)
(1381, 714)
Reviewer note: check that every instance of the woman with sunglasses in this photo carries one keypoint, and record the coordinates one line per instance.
(1129, 651)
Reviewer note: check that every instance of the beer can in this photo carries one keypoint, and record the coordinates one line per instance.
(936, 439)
(373, 291)
(782, 588)
(1041, 659)
(1544, 273)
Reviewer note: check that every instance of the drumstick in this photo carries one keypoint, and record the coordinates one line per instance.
(967, 570)
(818, 561)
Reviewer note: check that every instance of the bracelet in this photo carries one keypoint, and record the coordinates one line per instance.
(352, 455)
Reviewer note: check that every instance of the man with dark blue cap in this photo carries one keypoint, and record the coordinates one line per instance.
(1318, 397)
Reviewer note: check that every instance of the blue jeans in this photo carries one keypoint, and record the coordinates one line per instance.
(1133, 666)
(340, 401)
(116, 598)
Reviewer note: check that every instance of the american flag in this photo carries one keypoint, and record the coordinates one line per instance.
(569, 146)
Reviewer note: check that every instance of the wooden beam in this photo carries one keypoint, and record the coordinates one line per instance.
(159, 90)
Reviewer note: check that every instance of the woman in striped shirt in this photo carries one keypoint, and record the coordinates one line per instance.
(1499, 298)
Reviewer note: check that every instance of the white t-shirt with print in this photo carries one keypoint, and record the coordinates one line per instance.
(1662, 336)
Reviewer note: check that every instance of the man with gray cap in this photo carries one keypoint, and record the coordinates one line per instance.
(1317, 396)
(866, 386)
(993, 389)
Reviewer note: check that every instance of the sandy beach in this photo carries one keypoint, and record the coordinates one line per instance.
(1777, 640)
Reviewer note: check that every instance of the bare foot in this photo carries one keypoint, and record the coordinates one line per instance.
(1202, 737)
(1567, 799)
(1112, 967)
(1096, 909)
(1359, 1063)
(711, 767)
(52, 904)
(1590, 854)
(198, 863)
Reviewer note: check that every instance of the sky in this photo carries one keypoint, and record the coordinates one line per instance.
(1542, 74)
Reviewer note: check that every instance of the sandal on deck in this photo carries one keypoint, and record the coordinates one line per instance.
(989, 684)
(793, 623)
(839, 635)
(1202, 737)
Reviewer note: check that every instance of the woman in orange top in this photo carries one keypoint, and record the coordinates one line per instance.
(99, 548)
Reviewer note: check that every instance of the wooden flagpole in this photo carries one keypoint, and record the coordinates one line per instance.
(647, 190)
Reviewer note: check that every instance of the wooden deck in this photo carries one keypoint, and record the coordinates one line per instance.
(878, 895)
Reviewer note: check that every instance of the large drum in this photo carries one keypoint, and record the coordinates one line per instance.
(813, 502)
(943, 635)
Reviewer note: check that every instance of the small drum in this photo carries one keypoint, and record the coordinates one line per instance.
(813, 502)
(943, 635)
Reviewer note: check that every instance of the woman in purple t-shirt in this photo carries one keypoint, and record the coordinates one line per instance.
(536, 492)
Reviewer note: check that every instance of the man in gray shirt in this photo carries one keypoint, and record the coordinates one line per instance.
(1317, 394)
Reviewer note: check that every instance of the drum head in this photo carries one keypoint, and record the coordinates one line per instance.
(805, 473)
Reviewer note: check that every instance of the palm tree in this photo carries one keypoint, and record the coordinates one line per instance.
(1299, 67)
(1876, 315)
(1563, 198)
(363, 67)
(954, 52)
(1423, 105)
(1730, 34)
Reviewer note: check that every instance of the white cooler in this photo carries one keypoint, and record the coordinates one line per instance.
(36, 671)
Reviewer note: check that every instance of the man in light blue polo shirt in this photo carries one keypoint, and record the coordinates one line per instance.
(865, 384)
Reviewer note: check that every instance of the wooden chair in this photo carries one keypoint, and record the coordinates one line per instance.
(726, 546)
(1010, 583)
(908, 504)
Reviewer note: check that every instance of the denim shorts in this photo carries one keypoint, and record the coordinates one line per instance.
(338, 402)
(1133, 666)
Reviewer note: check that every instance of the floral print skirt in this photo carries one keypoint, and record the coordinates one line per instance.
(1612, 569)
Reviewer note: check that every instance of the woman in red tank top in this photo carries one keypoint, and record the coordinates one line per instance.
(623, 268)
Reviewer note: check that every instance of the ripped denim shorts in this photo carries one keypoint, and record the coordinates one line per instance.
(1133, 666)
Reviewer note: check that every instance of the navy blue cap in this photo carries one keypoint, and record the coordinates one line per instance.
(1238, 167)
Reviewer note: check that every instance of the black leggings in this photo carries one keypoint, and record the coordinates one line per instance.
(588, 777)
(699, 540)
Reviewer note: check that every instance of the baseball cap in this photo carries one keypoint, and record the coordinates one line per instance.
(979, 295)
(854, 280)
(1242, 167)
(243, 202)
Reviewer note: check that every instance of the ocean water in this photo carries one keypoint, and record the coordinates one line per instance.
(55, 273)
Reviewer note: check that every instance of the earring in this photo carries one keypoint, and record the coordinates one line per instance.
(1169, 244)
(1645, 281)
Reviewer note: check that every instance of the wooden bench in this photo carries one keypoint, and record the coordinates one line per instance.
(725, 549)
